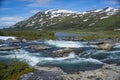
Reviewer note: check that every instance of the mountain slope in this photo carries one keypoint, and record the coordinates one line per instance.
(107, 18)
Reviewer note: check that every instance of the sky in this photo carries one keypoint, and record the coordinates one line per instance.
(13, 11)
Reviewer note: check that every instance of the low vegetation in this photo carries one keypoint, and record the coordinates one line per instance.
(13, 70)
(30, 35)
(94, 34)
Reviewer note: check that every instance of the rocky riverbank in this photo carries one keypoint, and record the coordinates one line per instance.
(106, 72)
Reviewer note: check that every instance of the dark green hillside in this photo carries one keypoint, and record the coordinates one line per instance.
(110, 23)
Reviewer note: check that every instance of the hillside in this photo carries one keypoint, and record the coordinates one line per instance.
(99, 19)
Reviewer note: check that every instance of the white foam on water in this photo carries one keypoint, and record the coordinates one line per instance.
(33, 60)
(71, 44)
(23, 55)
(72, 58)
(71, 55)
(69, 60)
(117, 45)
(7, 37)
(104, 51)
(3, 45)
(91, 60)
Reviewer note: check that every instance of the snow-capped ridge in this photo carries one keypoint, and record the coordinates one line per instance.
(54, 17)
(60, 12)
(107, 9)
(64, 11)
(57, 11)
(110, 9)
(97, 10)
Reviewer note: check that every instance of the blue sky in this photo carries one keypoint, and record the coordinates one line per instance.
(12, 11)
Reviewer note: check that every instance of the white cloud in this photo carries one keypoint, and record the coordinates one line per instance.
(14, 18)
(111, 2)
(36, 3)
(9, 21)
(34, 11)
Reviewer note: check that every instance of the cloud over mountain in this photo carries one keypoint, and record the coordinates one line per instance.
(10, 20)
(112, 2)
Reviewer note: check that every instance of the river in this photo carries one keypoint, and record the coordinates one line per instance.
(89, 58)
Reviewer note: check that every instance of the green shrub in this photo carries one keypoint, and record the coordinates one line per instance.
(1, 33)
(29, 35)
(14, 70)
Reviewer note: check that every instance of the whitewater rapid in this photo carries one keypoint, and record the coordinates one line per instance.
(89, 57)
(33, 58)
(69, 44)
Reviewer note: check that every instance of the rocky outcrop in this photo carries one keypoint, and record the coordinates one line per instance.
(105, 46)
(107, 72)
(44, 73)
(51, 69)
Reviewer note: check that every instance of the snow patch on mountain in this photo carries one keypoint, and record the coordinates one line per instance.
(104, 17)
(98, 10)
(85, 20)
(91, 24)
(116, 29)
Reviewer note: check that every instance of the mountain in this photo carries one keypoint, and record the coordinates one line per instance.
(60, 19)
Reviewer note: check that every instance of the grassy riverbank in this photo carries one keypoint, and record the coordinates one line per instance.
(29, 35)
(13, 70)
(91, 34)
(95, 34)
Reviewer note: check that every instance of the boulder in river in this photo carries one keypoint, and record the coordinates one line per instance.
(64, 52)
(105, 46)
(9, 48)
(39, 47)
(95, 43)
(24, 40)
(2, 41)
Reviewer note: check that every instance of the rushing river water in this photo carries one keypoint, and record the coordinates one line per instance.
(87, 59)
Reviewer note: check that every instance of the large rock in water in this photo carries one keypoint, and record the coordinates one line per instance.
(39, 47)
(64, 52)
(105, 46)
(9, 48)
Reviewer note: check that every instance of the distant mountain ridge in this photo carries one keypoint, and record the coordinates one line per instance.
(60, 19)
